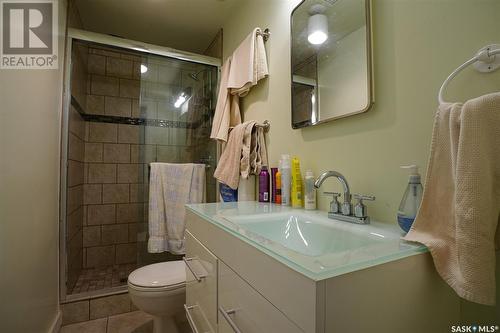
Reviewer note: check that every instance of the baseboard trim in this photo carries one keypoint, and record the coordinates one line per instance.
(56, 324)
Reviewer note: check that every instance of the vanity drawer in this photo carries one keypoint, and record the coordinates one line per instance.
(244, 310)
(201, 286)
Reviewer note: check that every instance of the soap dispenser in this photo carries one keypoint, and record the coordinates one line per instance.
(411, 199)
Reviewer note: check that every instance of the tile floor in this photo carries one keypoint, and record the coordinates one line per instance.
(131, 322)
(99, 278)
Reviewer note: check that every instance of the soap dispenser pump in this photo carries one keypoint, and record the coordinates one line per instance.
(412, 198)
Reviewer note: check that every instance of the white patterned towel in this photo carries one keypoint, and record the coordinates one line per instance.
(171, 186)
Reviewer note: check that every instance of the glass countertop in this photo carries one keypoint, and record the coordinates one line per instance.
(308, 241)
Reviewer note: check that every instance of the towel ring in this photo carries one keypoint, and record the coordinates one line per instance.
(485, 61)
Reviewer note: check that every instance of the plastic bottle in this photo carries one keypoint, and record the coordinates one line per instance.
(274, 171)
(285, 180)
(264, 185)
(309, 191)
(278, 185)
(296, 184)
(411, 199)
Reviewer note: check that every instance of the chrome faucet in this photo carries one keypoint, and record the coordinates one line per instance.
(344, 212)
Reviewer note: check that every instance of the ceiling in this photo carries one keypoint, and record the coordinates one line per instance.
(344, 17)
(188, 25)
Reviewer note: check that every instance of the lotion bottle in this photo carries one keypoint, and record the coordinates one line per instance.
(285, 180)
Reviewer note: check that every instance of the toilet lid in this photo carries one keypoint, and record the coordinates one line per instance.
(159, 275)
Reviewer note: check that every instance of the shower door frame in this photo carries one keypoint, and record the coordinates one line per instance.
(106, 40)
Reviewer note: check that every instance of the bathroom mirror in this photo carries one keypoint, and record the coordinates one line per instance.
(331, 60)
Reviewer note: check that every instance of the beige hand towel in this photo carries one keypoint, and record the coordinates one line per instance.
(246, 66)
(228, 168)
(460, 209)
(249, 64)
(227, 111)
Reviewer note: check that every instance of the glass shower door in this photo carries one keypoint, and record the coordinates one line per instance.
(176, 105)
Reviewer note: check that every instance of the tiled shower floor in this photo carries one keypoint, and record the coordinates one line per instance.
(100, 278)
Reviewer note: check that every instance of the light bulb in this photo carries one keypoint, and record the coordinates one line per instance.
(317, 37)
(317, 29)
(144, 69)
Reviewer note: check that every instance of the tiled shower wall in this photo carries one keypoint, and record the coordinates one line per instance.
(75, 169)
(108, 168)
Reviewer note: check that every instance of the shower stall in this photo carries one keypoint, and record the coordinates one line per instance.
(127, 104)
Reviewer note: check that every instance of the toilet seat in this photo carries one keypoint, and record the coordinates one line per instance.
(162, 276)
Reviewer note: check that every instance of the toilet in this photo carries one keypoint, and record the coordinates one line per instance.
(159, 290)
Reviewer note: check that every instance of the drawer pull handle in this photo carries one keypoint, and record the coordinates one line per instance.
(187, 261)
(231, 323)
(190, 318)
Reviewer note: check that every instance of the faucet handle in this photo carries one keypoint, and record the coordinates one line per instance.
(360, 209)
(362, 197)
(334, 204)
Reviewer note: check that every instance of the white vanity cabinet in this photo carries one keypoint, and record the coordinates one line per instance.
(201, 286)
(243, 309)
(248, 289)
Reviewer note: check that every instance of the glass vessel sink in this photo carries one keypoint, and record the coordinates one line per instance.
(306, 234)
(308, 241)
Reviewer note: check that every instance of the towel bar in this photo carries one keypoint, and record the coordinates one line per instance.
(265, 34)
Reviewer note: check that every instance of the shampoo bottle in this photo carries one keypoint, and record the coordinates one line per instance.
(285, 180)
(309, 191)
(411, 199)
(264, 185)
(278, 185)
(296, 184)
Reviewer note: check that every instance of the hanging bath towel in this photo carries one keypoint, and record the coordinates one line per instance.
(172, 186)
(460, 208)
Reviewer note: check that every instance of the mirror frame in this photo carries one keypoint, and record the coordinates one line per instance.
(369, 62)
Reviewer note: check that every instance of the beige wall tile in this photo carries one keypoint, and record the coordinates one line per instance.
(136, 70)
(128, 213)
(115, 193)
(138, 193)
(118, 106)
(74, 222)
(76, 148)
(132, 232)
(76, 123)
(92, 194)
(93, 152)
(96, 64)
(104, 85)
(149, 109)
(170, 154)
(114, 234)
(75, 312)
(119, 67)
(129, 88)
(100, 256)
(101, 214)
(95, 104)
(142, 153)
(126, 253)
(93, 326)
(131, 56)
(103, 132)
(92, 236)
(136, 110)
(101, 173)
(157, 135)
(74, 198)
(129, 133)
(130, 173)
(105, 52)
(75, 173)
(107, 306)
(116, 153)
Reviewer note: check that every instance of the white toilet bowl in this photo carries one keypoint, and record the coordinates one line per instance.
(160, 290)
